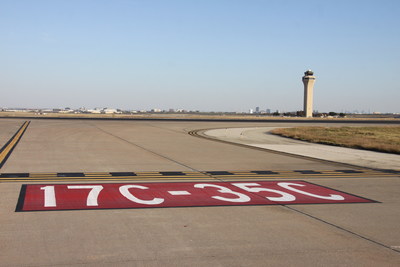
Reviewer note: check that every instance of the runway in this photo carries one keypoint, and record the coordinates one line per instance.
(61, 154)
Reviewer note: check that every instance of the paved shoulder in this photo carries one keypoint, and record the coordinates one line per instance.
(260, 137)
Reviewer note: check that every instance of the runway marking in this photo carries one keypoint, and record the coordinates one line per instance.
(172, 173)
(179, 193)
(264, 172)
(190, 175)
(70, 174)
(308, 172)
(8, 148)
(47, 197)
(219, 173)
(122, 174)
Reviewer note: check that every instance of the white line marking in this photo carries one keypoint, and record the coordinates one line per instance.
(179, 193)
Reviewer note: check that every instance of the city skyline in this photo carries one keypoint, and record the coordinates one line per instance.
(256, 111)
(209, 56)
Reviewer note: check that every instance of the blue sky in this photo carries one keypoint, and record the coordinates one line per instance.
(203, 55)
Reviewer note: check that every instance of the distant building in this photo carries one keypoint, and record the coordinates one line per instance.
(110, 111)
(257, 109)
(96, 110)
(251, 111)
(66, 110)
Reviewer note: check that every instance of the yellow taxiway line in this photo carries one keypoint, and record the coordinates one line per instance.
(10, 145)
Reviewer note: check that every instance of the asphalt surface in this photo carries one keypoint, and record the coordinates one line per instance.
(358, 234)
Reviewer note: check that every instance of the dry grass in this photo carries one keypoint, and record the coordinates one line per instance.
(382, 139)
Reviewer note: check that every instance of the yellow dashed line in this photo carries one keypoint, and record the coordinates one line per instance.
(127, 179)
(43, 174)
(190, 176)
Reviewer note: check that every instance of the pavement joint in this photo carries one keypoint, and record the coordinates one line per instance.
(343, 229)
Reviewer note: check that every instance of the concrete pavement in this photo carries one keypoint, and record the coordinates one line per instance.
(260, 137)
(355, 234)
(7, 129)
(89, 146)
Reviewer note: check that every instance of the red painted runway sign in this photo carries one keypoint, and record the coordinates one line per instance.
(35, 197)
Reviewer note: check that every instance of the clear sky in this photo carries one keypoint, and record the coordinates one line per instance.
(208, 55)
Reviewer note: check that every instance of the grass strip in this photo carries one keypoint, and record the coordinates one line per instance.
(381, 139)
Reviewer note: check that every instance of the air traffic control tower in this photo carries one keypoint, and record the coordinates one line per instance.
(308, 80)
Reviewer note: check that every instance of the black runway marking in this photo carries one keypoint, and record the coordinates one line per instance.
(265, 172)
(21, 198)
(308, 172)
(123, 174)
(14, 175)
